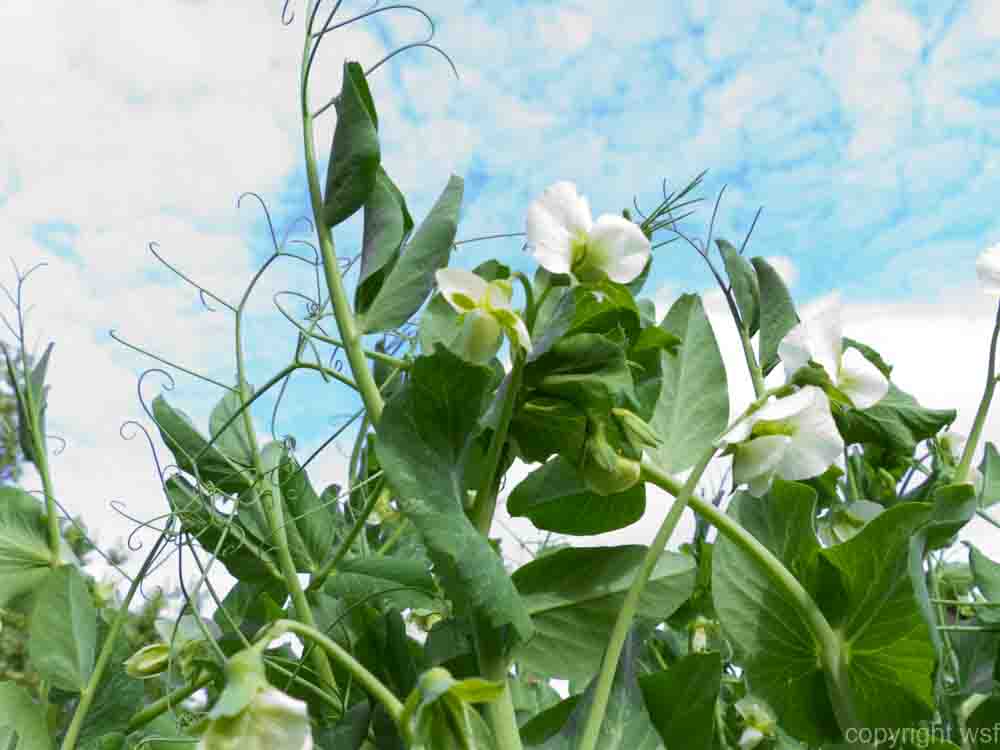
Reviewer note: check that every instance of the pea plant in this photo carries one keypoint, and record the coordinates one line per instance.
(822, 601)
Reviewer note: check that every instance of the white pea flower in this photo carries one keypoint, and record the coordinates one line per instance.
(271, 721)
(759, 721)
(565, 239)
(486, 313)
(793, 437)
(988, 270)
(821, 340)
(250, 714)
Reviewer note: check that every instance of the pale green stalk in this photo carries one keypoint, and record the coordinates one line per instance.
(965, 464)
(605, 679)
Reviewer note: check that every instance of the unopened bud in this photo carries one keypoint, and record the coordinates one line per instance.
(638, 432)
(148, 661)
(480, 338)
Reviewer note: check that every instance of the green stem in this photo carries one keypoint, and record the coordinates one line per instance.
(346, 323)
(366, 679)
(41, 461)
(90, 691)
(832, 655)
(965, 464)
(168, 701)
(605, 679)
(755, 372)
(951, 658)
(492, 660)
(272, 505)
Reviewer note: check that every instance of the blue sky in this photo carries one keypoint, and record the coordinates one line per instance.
(869, 132)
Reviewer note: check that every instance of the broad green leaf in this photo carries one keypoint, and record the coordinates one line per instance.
(746, 289)
(245, 608)
(574, 596)
(186, 444)
(870, 354)
(25, 559)
(35, 382)
(544, 425)
(693, 408)
(351, 732)
(976, 652)
(647, 365)
(556, 499)
(891, 657)
(241, 550)
(20, 713)
(422, 439)
(982, 729)
(118, 697)
(606, 309)
(626, 724)
(548, 722)
(354, 159)
(232, 439)
(63, 634)
(311, 524)
(531, 694)
(954, 505)
(897, 422)
(777, 312)
(987, 576)
(401, 583)
(760, 617)
(681, 700)
(989, 467)
(412, 277)
(387, 223)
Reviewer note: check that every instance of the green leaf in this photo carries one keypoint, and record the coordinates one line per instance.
(626, 724)
(25, 559)
(954, 505)
(693, 407)
(531, 694)
(35, 381)
(401, 583)
(118, 697)
(556, 499)
(62, 639)
(232, 439)
(897, 422)
(387, 223)
(247, 605)
(186, 443)
(989, 467)
(870, 354)
(606, 309)
(242, 551)
(544, 425)
(746, 289)
(311, 524)
(681, 700)
(891, 657)
(422, 439)
(412, 277)
(981, 727)
(354, 160)
(760, 617)
(777, 312)
(987, 577)
(574, 596)
(548, 722)
(21, 714)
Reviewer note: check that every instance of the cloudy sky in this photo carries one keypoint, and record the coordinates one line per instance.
(869, 132)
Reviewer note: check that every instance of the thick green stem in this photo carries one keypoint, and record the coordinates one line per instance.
(366, 679)
(605, 679)
(90, 691)
(168, 701)
(272, 505)
(492, 660)
(965, 464)
(831, 654)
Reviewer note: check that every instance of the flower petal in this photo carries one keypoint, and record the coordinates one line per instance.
(519, 333)
(794, 350)
(759, 457)
(463, 289)
(988, 270)
(827, 335)
(860, 380)
(618, 247)
(784, 408)
(554, 219)
(817, 442)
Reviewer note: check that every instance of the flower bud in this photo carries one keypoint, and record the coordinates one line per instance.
(750, 738)
(607, 470)
(480, 337)
(637, 431)
(148, 661)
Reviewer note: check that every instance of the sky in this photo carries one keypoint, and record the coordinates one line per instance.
(868, 132)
